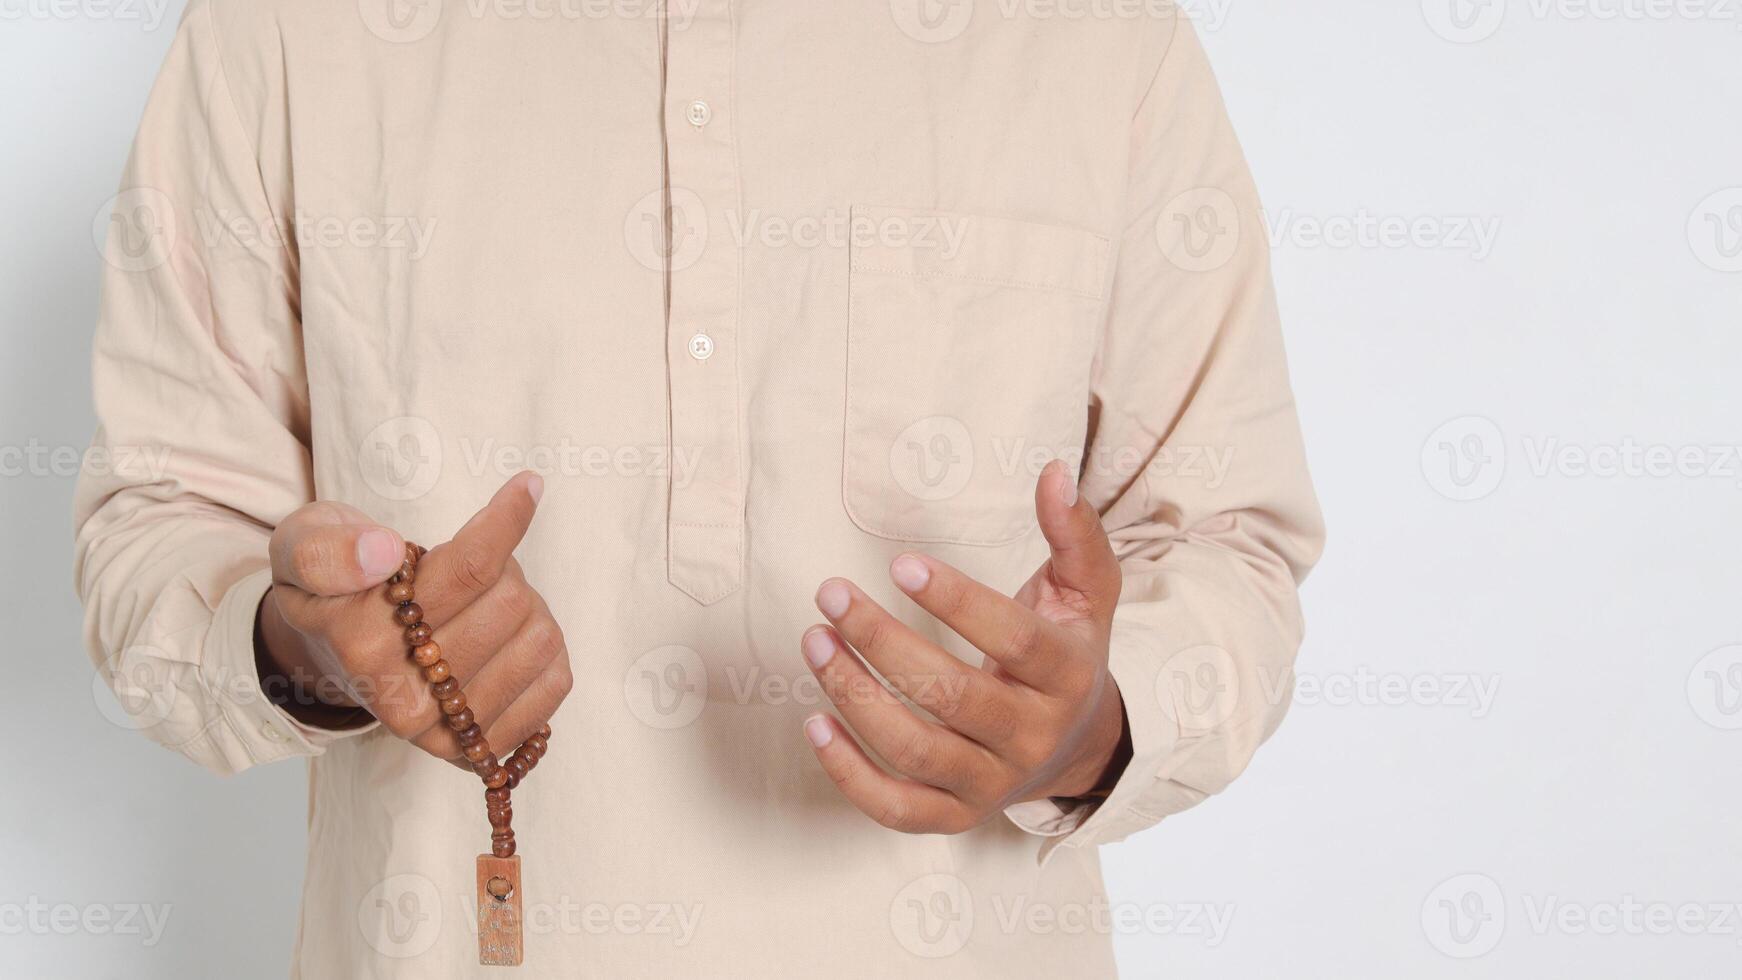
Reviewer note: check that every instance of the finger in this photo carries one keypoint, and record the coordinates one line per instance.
(458, 650)
(1026, 644)
(527, 668)
(502, 680)
(330, 549)
(965, 698)
(914, 747)
(532, 710)
(455, 573)
(477, 634)
(899, 804)
(1082, 557)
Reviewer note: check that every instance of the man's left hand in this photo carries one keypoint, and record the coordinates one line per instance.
(1040, 718)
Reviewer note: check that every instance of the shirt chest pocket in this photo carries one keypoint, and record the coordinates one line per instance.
(969, 346)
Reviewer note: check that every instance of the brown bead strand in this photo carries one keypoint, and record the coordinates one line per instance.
(500, 777)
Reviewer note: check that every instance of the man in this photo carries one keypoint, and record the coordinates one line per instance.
(843, 345)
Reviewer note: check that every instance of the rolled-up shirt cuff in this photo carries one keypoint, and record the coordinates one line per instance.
(255, 731)
(1134, 660)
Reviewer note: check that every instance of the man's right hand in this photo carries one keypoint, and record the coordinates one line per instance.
(330, 638)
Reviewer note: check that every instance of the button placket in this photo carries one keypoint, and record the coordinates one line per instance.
(705, 526)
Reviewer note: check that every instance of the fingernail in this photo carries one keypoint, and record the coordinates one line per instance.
(379, 552)
(818, 730)
(1067, 483)
(535, 488)
(909, 572)
(818, 647)
(833, 598)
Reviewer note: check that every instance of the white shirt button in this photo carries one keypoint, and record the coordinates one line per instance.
(699, 113)
(272, 732)
(701, 347)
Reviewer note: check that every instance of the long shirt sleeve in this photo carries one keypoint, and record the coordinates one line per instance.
(1196, 464)
(202, 417)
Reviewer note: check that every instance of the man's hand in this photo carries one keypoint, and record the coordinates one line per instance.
(329, 632)
(1042, 718)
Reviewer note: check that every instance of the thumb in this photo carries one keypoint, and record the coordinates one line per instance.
(488, 540)
(497, 530)
(1082, 558)
(330, 549)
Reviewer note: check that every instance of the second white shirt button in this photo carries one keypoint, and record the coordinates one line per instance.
(699, 113)
(701, 347)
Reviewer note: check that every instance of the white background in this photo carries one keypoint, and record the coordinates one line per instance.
(1517, 747)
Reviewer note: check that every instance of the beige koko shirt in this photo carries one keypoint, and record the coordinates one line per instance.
(390, 254)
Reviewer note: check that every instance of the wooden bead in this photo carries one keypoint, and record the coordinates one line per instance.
(499, 776)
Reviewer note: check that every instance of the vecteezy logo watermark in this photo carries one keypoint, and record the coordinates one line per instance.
(937, 21)
(667, 687)
(1021, 914)
(1366, 688)
(401, 917)
(662, 232)
(676, 921)
(1470, 21)
(146, 464)
(34, 917)
(1464, 21)
(406, 233)
(933, 916)
(932, 21)
(400, 21)
(1199, 687)
(1364, 229)
(149, 13)
(134, 231)
(941, 234)
(933, 458)
(401, 459)
(1464, 916)
(1199, 229)
(404, 21)
(567, 458)
(1464, 459)
(1715, 688)
(133, 689)
(1715, 230)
